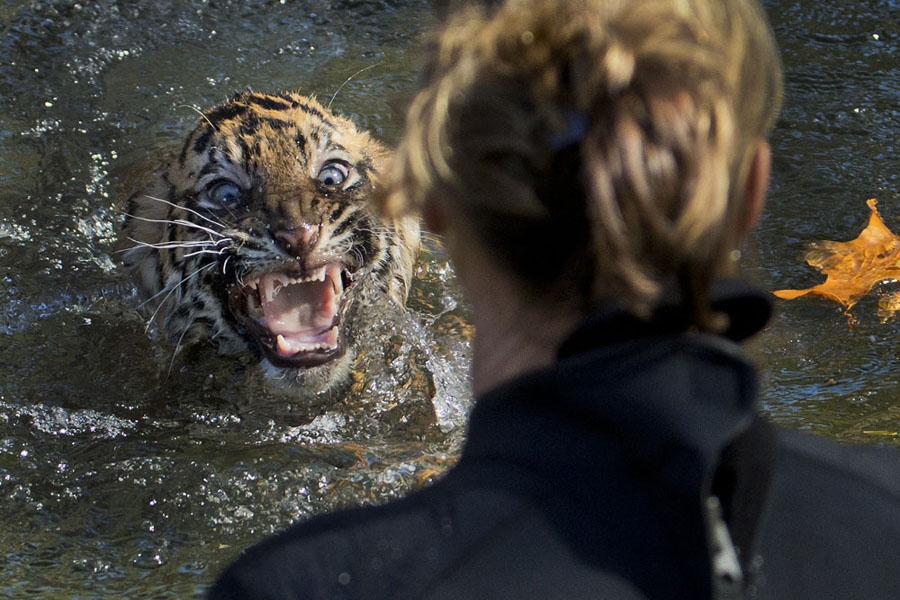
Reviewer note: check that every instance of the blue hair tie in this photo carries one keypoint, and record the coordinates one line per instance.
(577, 124)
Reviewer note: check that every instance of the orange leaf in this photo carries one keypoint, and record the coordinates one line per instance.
(853, 268)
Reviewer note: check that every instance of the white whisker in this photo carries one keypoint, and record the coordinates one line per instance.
(199, 112)
(176, 351)
(173, 245)
(346, 81)
(182, 222)
(199, 252)
(186, 209)
(169, 290)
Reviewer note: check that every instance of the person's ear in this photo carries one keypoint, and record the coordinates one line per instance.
(756, 186)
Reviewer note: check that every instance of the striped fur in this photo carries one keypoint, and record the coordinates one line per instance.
(267, 190)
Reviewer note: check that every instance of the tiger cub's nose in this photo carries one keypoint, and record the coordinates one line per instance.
(298, 241)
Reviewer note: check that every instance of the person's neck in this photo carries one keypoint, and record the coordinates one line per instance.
(514, 331)
(513, 334)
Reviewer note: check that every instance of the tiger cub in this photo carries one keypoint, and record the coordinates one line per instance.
(259, 235)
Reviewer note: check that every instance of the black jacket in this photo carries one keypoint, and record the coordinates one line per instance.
(600, 477)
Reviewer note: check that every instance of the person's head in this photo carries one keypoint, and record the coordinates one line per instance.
(597, 149)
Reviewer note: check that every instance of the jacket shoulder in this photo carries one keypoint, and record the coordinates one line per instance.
(870, 469)
(392, 551)
(832, 524)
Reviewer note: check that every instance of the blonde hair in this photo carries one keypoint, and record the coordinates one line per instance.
(600, 146)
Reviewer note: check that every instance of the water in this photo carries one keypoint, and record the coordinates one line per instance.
(123, 472)
(835, 147)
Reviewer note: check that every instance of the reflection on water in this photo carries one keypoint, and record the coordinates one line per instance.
(125, 472)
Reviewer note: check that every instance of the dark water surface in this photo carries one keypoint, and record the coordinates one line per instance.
(835, 146)
(124, 471)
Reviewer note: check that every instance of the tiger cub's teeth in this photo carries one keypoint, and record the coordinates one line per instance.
(283, 347)
(286, 348)
(317, 275)
(279, 280)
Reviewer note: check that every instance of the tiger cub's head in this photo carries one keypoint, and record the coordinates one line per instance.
(259, 235)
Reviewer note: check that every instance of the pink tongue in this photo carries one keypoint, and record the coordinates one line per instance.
(300, 308)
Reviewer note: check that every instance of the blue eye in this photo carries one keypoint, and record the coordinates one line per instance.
(225, 194)
(334, 174)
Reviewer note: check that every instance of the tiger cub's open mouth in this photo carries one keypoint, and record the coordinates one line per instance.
(296, 319)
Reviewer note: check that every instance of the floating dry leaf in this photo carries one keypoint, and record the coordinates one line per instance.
(854, 268)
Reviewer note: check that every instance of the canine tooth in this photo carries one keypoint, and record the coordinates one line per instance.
(278, 281)
(271, 290)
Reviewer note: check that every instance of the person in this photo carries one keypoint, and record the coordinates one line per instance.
(594, 166)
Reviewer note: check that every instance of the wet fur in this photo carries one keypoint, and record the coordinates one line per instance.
(185, 256)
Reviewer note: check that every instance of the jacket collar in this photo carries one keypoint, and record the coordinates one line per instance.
(655, 360)
(747, 308)
(657, 382)
(635, 426)
(644, 396)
